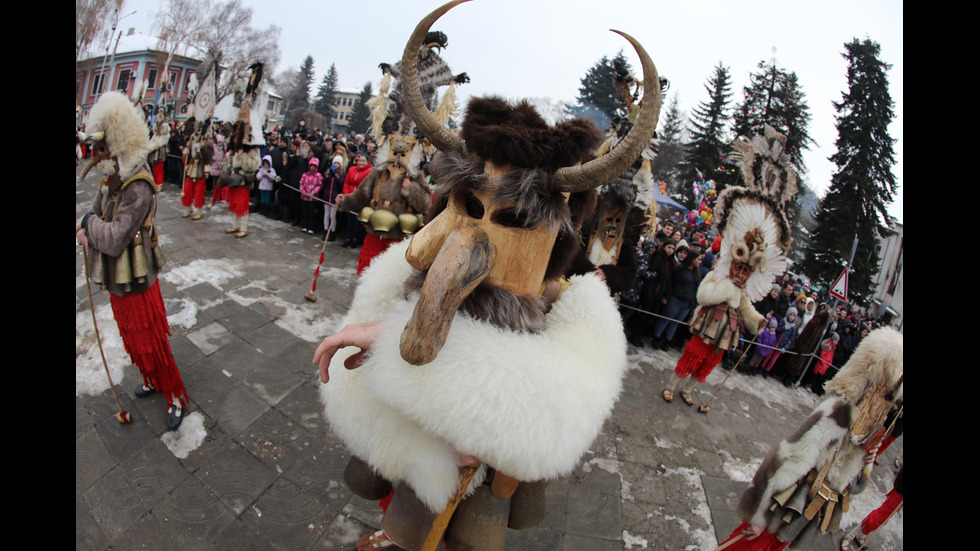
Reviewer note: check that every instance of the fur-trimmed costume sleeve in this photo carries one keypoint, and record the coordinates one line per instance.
(527, 404)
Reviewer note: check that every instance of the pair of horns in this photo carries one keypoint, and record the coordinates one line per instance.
(574, 178)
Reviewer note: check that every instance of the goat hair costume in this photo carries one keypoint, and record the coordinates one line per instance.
(804, 484)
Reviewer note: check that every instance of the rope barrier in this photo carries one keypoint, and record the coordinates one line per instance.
(740, 338)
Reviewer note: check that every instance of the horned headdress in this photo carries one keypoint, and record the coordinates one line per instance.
(508, 190)
(754, 230)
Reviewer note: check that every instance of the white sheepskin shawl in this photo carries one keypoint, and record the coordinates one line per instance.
(526, 404)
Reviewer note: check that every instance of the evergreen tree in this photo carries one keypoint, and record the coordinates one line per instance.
(708, 146)
(670, 135)
(774, 97)
(360, 115)
(863, 185)
(597, 95)
(326, 95)
(299, 96)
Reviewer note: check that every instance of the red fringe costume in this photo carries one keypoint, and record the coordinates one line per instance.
(767, 541)
(878, 517)
(143, 326)
(698, 359)
(158, 173)
(372, 247)
(193, 192)
(238, 200)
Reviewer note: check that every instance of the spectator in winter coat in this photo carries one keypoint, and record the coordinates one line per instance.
(786, 331)
(333, 182)
(309, 188)
(681, 296)
(763, 347)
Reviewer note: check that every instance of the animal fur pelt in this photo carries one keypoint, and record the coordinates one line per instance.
(527, 404)
(516, 135)
(125, 132)
(877, 362)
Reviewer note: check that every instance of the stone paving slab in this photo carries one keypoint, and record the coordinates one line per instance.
(268, 474)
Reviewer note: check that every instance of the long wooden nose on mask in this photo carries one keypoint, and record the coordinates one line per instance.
(462, 263)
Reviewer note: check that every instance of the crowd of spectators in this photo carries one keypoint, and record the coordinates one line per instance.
(806, 338)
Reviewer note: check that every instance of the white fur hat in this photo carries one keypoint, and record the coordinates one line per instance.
(125, 134)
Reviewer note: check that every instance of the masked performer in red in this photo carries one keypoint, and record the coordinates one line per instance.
(120, 230)
(755, 239)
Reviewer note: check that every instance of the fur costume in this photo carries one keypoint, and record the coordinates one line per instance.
(120, 232)
(244, 148)
(484, 353)
(484, 394)
(836, 433)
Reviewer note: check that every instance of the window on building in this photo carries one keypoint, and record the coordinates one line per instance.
(171, 84)
(187, 83)
(97, 84)
(122, 84)
(151, 79)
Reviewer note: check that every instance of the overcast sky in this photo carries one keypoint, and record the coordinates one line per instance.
(542, 48)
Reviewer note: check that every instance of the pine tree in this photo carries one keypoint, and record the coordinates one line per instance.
(597, 96)
(326, 94)
(774, 97)
(708, 146)
(299, 96)
(855, 206)
(360, 115)
(670, 135)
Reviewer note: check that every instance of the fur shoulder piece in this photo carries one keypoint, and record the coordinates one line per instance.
(877, 361)
(527, 404)
(516, 135)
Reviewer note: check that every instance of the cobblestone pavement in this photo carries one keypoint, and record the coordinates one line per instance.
(254, 466)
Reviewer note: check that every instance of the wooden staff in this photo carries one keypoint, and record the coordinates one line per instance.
(705, 408)
(122, 416)
(310, 296)
(442, 519)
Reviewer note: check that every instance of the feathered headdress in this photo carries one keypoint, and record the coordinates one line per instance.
(750, 219)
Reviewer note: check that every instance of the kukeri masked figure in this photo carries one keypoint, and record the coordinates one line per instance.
(158, 142)
(121, 239)
(804, 485)
(755, 238)
(391, 201)
(474, 353)
(199, 153)
(244, 156)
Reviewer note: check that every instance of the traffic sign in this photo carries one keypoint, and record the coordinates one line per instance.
(839, 288)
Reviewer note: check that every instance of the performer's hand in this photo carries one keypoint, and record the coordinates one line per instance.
(339, 199)
(81, 238)
(752, 531)
(869, 456)
(361, 335)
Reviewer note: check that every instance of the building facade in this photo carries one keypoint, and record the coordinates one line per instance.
(887, 303)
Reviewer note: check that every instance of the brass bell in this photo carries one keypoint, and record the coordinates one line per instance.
(409, 223)
(365, 214)
(124, 273)
(383, 220)
(139, 267)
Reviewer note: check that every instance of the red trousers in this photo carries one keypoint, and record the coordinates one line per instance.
(158, 173)
(372, 247)
(193, 192)
(874, 520)
(238, 201)
(698, 360)
(143, 326)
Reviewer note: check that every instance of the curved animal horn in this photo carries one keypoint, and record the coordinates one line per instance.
(426, 122)
(599, 171)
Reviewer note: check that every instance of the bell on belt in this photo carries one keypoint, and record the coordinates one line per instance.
(409, 223)
(382, 220)
(364, 481)
(124, 273)
(139, 266)
(365, 214)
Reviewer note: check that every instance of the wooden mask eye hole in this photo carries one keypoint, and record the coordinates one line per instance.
(474, 207)
(507, 217)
